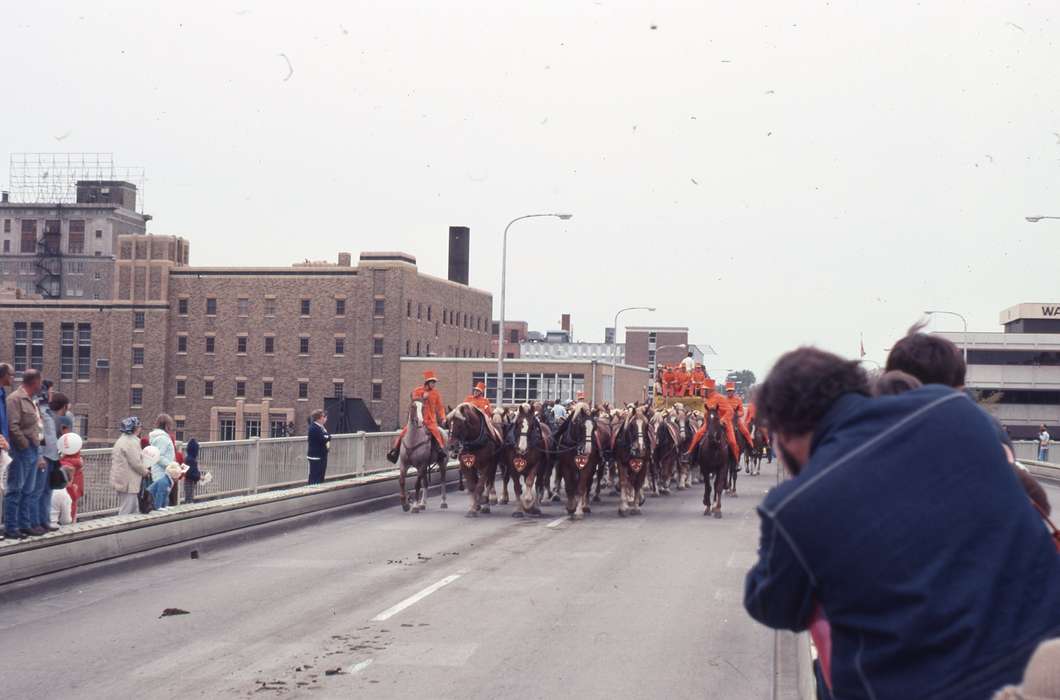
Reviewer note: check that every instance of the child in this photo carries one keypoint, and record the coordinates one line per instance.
(72, 465)
(160, 488)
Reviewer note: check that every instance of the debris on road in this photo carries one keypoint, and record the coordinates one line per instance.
(169, 612)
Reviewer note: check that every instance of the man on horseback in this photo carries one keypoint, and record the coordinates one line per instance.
(737, 410)
(477, 398)
(433, 416)
(726, 414)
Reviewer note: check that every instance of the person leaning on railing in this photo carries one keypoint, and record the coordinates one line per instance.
(127, 469)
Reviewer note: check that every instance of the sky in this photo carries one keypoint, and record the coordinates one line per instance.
(769, 174)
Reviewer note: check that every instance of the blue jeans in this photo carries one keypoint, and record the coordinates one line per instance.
(44, 495)
(20, 508)
(1043, 454)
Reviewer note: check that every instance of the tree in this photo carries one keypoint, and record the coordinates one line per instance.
(744, 379)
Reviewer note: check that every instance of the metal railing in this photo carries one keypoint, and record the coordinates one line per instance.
(1027, 450)
(241, 467)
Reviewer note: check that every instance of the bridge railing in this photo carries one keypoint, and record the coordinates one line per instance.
(242, 467)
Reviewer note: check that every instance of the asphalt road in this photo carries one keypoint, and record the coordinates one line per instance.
(429, 605)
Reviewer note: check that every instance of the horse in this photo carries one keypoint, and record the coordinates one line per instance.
(604, 435)
(633, 446)
(525, 452)
(712, 456)
(417, 450)
(734, 462)
(695, 421)
(685, 432)
(578, 455)
(759, 450)
(479, 451)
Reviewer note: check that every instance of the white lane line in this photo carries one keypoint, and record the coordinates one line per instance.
(556, 523)
(358, 667)
(413, 599)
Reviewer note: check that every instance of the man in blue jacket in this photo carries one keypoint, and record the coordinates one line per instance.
(906, 524)
(319, 443)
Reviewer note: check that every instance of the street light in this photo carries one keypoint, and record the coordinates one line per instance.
(1036, 219)
(964, 321)
(614, 349)
(504, 274)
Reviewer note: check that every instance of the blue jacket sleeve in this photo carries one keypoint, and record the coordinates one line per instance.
(778, 591)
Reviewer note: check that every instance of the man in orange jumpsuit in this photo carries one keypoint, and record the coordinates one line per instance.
(749, 417)
(726, 414)
(433, 414)
(699, 380)
(737, 408)
(478, 398)
(668, 380)
(682, 380)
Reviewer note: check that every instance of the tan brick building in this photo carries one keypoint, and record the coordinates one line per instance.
(234, 352)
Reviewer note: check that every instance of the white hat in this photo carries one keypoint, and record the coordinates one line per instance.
(151, 455)
(70, 444)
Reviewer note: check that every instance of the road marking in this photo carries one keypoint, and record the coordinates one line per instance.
(357, 668)
(556, 523)
(413, 599)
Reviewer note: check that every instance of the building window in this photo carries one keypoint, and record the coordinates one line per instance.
(36, 346)
(182, 306)
(139, 320)
(266, 390)
(182, 387)
(21, 354)
(428, 349)
(408, 309)
(338, 389)
(270, 306)
(207, 389)
(227, 428)
(377, 391)
(419, 311)
(243, 306)
(303, 345)
(380, 307)
(241, 389)
(251, 428)
(138, 357)
(7, 246)
(277, 428)
(305, 307)
(377, 346)
(136, 396)
(7, 225)
(99, 234)
(182, 343)
(270, 345)
(84, 350)
(340, 345)
(513, 337)
(340, 307)
(66, 351)
(417, 348)
(179, 429)
(303, 390)
(428, 312)
(75, 240)
(211, 306)
(408, 348)
(241, 345)
(29, 236)
(210, 344)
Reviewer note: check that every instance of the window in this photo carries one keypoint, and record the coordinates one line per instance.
(7, 246)
(340, 307)
(84, 350)
(303, 390)
(417, 348)
(419, 311)
(266, 389)
(227, 428)
(21, 354)
(277, 428)
(241, 389)
(377, 391)
(380, 307)
(75, 241)
(28, 243)
(428, 349)
(182, 305)
(270, 306)
(211, 306)
(303, 345)
(338, 389)
(241, 345)
(243, 306)
(182, 387)
(66, 351)
(210, 344)
(408, 348)
(99, 275)
(139, 319)
(36, 346)
(305, 307)
(408, 309)
(377, 346)
(182, 343)
(251, 428)
(138, 357)
(513, 337)
(99, 234)
(340, 345)
(428, 312)
(207, 389)
(178, 428)
(7, 225)
(270, 345)
(136, 396)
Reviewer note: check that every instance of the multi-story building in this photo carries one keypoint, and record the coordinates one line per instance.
(515, 333)
(602, 352)
(236, 352)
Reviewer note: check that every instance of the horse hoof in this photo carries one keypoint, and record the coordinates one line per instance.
(706, 511)
(577, 516)
(555, 498)
(621, 513)
(471, 514)
(518, 514)
(717, 514)
(405, 507)
(534, 512)
(444, 506)
(484, 509)
(493, 500)
(587, 511)
(570, 512)
(503, 501)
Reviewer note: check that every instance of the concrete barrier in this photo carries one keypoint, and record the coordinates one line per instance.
(119, 536)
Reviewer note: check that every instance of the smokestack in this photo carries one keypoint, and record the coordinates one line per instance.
(564, 322)
(459, 245)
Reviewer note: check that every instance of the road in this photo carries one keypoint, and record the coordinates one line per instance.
(429, 605)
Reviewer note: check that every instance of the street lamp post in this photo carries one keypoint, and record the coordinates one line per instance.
(1036, 219)
(964, 321)
(614, 348)
(504, 275)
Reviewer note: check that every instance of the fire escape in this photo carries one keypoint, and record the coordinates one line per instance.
(50, 261)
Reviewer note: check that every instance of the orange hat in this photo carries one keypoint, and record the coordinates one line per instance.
(730, 386)
(710, 383)
(580, 396)
(428, 376)
(481, 386)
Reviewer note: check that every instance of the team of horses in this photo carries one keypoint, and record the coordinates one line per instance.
(635, 452)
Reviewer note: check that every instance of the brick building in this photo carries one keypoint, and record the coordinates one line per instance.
(235, 352)
(515, 333)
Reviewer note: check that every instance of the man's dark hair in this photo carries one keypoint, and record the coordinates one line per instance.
(894, 382)
(58, 402)
(930, 358)
(5, 369)
(803, 385)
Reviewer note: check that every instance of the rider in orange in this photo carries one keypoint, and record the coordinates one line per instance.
(682, 380)
(433, 413)
(737, 408)
(726, 414)
(668, 380)
(699, 380)
(478, 398)
(749, 417)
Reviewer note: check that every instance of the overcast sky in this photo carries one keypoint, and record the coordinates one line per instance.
(769, 173)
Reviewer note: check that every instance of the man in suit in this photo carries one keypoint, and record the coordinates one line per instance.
(319, 444)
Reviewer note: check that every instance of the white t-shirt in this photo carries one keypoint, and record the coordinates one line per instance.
(559, 412)
(689, 364)
(1044, 438)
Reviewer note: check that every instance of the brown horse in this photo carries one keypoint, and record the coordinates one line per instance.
(418, 450)
(525, 453)
(712, 455)
(479, 451)
(667, 453)
(633, 446)
(578, 455)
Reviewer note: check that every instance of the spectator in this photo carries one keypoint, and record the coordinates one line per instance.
(1043, 443)
(319, 444)
(1041, 680)
(894, 382)
(6, 374)
(160, 440)
(558, 412)
(127, 469)
(904, 522)
(51, 405)
(192, 475)
(21, 517)
(71, 463)
(160, 488)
